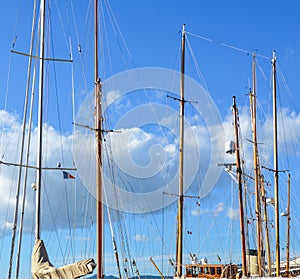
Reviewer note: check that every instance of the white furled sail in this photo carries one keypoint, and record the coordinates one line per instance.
(43, 269)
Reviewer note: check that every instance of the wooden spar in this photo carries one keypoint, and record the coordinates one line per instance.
(256, 169)
(276, 197)
(98, 131)
(239, 178)
(156, 267)
(40, 122)
(288, 226)
(266, 219)
(181, 143)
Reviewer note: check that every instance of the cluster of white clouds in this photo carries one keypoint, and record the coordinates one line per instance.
(218, 208)
(142, 145)
(55, 189)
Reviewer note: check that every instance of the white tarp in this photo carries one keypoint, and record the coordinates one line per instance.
(41, 267)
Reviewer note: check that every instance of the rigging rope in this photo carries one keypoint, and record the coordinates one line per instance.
(54, 223)
(59, 120)
(118, 29)
(228, 45)
(34, 24)
(201, 77)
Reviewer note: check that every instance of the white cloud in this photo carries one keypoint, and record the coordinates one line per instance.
(137, 152)
(7, 226)
(141, 238)
(111, 96)
(233, 213)
(196, 212)
(219, 208)
(7, 120)
(137, 138)
(55, 189)
(288, 138)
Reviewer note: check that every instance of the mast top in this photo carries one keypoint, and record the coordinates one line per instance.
(274, 56)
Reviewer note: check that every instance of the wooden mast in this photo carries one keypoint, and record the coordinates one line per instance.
(240, 187)
(98, 131)
(276, 167)
(256, 169)
(178, 272)
(40, 122)
(288, 213)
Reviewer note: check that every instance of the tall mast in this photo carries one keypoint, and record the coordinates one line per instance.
(181, 143)
(288, 227)
(256, 168)
(276, 167)
(40, 122)
(240, 187)
(98, 131)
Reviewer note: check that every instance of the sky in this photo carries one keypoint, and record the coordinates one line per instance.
(142, 154)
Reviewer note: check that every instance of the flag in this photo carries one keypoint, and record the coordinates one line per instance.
(189, 232)
(68, 175)
(198, 203)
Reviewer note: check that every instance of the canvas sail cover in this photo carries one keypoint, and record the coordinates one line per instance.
(41, 267)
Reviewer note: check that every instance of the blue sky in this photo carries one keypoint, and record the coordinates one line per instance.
(150, 37)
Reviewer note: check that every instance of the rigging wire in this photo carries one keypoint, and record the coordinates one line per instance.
(105, 7)
(286, 86)
(26, 170)
(16, 213)
(2, 148)
(34, 24)
(227, 45)
(73, 121)
(118, 29)
(199, 73)
(80, 50)
(284, 133)
(123, 232)
(3, 154)
(59, 116)
(286, 126)
(112, 176)
(53, 220)
(115, 30)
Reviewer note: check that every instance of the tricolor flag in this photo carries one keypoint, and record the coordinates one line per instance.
(68, 175)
